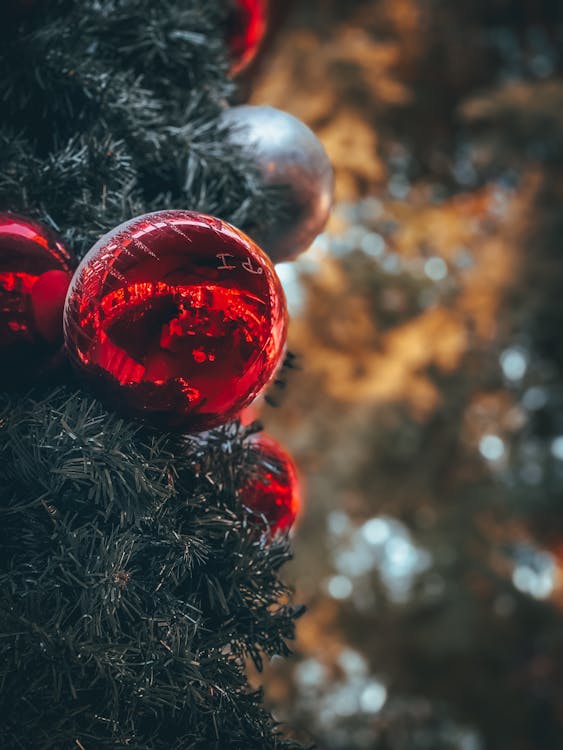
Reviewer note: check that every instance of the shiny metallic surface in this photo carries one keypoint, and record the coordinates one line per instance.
(289, 155)
(35, 271)
(176, 318)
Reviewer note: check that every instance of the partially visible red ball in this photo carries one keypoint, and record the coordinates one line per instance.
(271, 491)
(247, 24)
(35, 272)
(176, 317)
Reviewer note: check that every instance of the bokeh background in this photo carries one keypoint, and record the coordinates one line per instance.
(427, 416)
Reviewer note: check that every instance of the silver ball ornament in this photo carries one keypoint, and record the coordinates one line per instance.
(288, 155)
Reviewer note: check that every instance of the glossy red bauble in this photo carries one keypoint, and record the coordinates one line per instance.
(35, 272)
(271, 491)
(246, 28)
(176, 317)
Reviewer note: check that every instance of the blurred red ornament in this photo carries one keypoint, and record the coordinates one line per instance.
(272, 491)
(35, 272)
(247, 24)
(177, 317)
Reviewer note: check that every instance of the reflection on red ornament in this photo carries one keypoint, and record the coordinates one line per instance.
(47, 302)
(35, 272)
(271, 491)
(246, 28)
(176, 317)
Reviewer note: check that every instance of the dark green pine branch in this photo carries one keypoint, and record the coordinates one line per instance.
(133, 588)
(109, 109)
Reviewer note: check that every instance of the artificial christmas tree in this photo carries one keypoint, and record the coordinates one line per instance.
(133, 586)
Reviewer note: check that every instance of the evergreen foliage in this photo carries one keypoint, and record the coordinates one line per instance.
(132, 587)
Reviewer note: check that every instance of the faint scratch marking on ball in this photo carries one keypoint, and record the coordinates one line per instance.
(175, 228)
(116, 274)
(145, 248)
(225, 266)
(247, 265)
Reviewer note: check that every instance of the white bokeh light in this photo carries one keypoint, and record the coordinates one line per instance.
(373, 245)
(557, 447)
(436, 269)
(376, 531)
(340, 587)
(289, 276)
(353, 663)
(373, 697)
(381, 544)
(311, 673)
(492, 447)
(535, 572)
(514, 363)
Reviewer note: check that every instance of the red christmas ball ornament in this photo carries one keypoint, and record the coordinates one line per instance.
(272, 492)
(176, 317)
(35, 272)
(247, 24)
